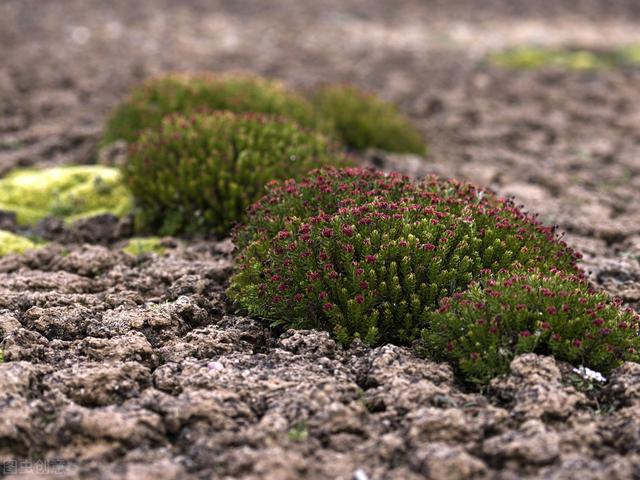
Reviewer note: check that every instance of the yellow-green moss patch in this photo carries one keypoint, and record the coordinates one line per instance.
(12, 243)
(143, 245)
(69, 192)
(536, 57)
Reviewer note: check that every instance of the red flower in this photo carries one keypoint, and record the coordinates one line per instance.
(370, 258)
(328, 306)
(552, 310)
(525, 333)
(347, 230)
(598, 322)
(359, 299)
(327, 232)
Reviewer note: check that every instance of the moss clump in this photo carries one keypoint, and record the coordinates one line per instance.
(143, 246)
(69, 192)
(149, 103)
(497, 318)
(12, 243)
(364, 121)
(532, 57)
(377, 270)
(198, 174)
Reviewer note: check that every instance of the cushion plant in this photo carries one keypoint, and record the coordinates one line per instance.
(482, 329)
(363, 120)
(149, 103)
(198, 173)
(377, 270)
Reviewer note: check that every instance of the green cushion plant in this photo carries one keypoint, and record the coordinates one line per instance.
(198, 173)
(482, 329)
(150, 102)
(363, 120)
(377, 270)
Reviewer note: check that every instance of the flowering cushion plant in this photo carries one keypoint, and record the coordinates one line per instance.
(328, 189)
(323, 190)
(482, 329)
(377, 270)
(181, 93)
(198, 173)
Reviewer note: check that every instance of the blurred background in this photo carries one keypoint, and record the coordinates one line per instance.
(564, 138)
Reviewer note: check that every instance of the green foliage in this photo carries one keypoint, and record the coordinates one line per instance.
(149, 103)
(298, 433)
(482, 329)
(144, 245)
(364, 121)
(12, 243)
(532, 57)
(69, 192)
(377, 270)
(323, 190)
(198, 174)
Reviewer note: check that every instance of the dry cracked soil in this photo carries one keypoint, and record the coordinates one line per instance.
(132, 368)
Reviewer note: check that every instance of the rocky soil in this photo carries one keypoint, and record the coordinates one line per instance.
(120, 367)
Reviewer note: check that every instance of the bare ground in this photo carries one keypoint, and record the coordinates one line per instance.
(137, 368)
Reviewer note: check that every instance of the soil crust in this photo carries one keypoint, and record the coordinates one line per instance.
(122, 367)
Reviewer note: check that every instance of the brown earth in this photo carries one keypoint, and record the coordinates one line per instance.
(138, 368)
